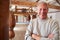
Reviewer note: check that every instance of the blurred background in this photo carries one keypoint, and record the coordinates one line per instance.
(25, 10)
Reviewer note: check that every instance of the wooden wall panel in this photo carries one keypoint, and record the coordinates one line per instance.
(4, 14)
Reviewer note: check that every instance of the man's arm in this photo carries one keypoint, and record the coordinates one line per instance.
(29, 32)
(53, 36)
(36, 37)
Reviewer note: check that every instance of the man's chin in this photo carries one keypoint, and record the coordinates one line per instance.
(43, 17)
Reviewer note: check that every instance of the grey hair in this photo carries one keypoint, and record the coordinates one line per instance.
(42, 2)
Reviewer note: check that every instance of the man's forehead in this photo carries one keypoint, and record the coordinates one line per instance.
(42, 4)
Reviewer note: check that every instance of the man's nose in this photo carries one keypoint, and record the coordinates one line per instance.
(42, 10)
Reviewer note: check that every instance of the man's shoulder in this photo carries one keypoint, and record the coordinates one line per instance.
(34, 20)
(52, 20)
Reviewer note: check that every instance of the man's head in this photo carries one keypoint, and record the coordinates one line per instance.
(42, 10)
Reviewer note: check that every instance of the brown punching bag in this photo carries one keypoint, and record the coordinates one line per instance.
(11, 25)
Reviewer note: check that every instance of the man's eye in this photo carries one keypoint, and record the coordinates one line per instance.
(40, 9)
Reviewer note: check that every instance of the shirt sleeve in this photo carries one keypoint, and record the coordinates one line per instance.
(29, 32)
(54, 30)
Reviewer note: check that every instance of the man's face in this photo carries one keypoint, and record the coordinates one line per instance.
(42, 11)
